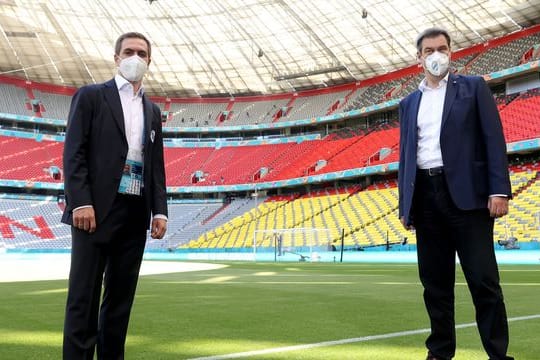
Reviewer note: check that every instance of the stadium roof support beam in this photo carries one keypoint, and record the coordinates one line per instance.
(317, 39)
(240, 29)
(50, 17)
(311, 73)
(195, 50)
(21, 66)
(456, 16)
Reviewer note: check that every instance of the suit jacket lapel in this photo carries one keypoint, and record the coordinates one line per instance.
(147, 108)
(413, 123)
(112, 97)
(451, 92)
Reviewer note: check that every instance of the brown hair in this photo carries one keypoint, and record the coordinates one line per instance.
(129, 35)
(431, 33)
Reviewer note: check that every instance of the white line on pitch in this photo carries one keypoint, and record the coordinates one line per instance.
(342, 341)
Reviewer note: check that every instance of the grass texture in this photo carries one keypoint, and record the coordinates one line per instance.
(247, 307)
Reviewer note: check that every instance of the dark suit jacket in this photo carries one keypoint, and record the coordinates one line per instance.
(472, 145)
(95, 152)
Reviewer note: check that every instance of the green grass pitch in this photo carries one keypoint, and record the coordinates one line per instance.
(246, 307)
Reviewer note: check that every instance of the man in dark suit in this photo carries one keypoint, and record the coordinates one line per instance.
(453, 182)
(114, 183)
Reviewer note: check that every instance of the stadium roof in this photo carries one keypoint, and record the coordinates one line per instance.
(231, 47)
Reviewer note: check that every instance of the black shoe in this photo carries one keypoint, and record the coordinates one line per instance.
(430, 356)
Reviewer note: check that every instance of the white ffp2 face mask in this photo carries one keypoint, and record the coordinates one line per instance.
(437, 63)
(133, 68)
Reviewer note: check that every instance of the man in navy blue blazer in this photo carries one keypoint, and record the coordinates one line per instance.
(453, 183)
(115, 190)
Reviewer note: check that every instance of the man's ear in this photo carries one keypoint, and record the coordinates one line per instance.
(419, 58)
(116, 59)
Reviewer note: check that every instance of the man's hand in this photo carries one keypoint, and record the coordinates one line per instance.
(85, 219)
(498, 206)
(407, 227)
(159, 226)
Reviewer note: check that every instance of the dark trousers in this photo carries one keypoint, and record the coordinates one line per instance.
(442, 230)
(108, 258)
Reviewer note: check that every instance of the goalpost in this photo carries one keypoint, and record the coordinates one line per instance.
(297, 244)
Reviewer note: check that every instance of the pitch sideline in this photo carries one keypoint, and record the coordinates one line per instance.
(342, 341)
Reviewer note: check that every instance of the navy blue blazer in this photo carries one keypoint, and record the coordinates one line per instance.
(472, 145)
(95, 152)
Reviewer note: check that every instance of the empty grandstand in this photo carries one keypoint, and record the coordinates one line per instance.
(314, 147)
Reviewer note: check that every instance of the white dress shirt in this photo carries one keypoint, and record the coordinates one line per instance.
(133, 110)
(429, 121)
(132, 107)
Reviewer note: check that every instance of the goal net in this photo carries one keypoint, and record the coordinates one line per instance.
(298, 244)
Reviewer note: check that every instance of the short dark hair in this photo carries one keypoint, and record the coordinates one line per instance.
(130, 35)
(431, 33)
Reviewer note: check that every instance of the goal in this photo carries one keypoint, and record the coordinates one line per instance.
(297, 244)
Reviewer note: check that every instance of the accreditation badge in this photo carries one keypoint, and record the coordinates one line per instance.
(132, 178)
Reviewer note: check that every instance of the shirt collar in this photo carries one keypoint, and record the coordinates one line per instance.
(123, 85)
(423, 84)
